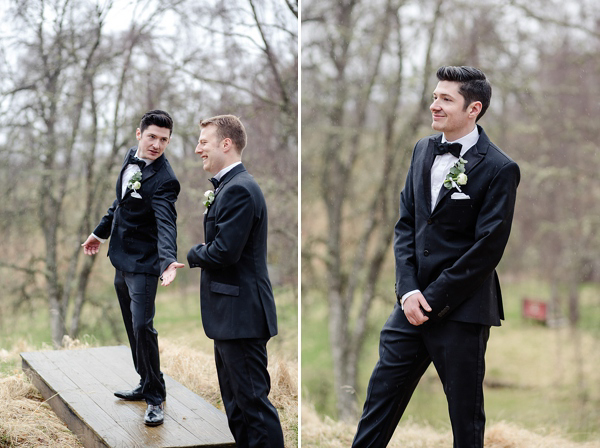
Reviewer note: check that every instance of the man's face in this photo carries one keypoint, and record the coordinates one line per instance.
(448, 111)
(152, 142)
(210, 148)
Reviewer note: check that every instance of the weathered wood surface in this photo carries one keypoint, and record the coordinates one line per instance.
(79, 385)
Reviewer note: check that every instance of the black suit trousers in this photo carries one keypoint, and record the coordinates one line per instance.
(245, 385)
(457, 350)
(137, 294)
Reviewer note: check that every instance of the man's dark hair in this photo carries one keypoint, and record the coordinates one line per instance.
(156, 117)
(474, 85)
(228, 126)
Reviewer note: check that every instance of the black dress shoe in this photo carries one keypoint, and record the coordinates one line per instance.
(131, 395)
(154, 415)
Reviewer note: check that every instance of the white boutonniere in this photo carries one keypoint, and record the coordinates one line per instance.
(456, 176)
(135, 183)
(209, 198)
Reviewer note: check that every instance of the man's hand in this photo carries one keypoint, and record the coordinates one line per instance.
(413, 311)
(91, 246)
(170, 273)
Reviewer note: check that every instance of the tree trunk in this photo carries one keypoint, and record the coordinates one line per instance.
(338, 324)
(573, 303)
(80, 294)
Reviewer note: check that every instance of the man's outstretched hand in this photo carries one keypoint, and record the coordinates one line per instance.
(91, 246)
(170, 273)
(413, 311)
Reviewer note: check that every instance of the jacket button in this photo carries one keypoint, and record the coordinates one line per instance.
(426, 253)
(430, 221)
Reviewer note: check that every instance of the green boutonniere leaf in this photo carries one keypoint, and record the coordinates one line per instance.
(456, 176)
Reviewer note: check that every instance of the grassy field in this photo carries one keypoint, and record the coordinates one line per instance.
(531, 378)
(186, 355)
(177, 318)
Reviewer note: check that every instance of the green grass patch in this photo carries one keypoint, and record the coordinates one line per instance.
(177, 317)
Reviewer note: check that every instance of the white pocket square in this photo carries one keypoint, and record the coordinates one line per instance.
(460, 196)
(135, 194)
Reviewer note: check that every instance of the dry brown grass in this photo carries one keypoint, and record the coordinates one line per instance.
(26, 421)
(327, 433)
(196, 371)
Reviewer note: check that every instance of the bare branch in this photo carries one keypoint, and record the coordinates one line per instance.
(27, 270)
(271, 58)
(548, 19)
(293, 6)
(230, 84)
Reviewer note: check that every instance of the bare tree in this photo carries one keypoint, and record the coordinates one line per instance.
(62, 58)
(365, 98)
(349, 114)
(73, 89)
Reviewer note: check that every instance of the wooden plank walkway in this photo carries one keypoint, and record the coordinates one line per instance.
(79, 385)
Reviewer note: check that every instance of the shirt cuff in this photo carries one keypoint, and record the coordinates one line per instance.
(406, 296)
(102, 240)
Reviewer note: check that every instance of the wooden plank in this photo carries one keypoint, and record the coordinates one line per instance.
(89, 372)
(79, 385)
(46, 385)
(182, 404)
(92, 394)
(201, 409)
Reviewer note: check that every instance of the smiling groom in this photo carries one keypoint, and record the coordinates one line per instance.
(456, 211)
(141, 224)
(236, 298)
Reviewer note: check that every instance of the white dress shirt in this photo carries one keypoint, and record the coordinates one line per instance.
(439, 170)
(442, 163)
(129, 172)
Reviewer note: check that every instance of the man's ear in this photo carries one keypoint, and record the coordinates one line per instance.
(227, 144)
(474, 109)
(138, 134)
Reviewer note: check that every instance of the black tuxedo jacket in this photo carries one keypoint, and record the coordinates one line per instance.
(450, 254)
(143, 232)
(236, 297)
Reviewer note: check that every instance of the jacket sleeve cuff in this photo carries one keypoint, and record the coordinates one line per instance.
(102, 240)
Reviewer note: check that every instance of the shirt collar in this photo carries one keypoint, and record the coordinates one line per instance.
(467, 141)
(225, 170)
(148, 161)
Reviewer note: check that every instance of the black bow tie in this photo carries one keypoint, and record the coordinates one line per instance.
(443, 148)
(135, 161)
(215, 182)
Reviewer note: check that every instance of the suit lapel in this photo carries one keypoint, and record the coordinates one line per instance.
(120, 194)
(228, 176)
(426, 170)
(153, 168)
(147, 172)
(224, 181)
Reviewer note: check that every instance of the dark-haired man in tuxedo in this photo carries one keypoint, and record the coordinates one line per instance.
(141, 224)
(238, 308)
(456, 211)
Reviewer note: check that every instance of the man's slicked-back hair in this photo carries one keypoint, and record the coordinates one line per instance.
(474, 86)
(228, 126)
(156, 117)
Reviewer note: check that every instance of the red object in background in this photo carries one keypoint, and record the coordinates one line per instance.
(535, 309)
